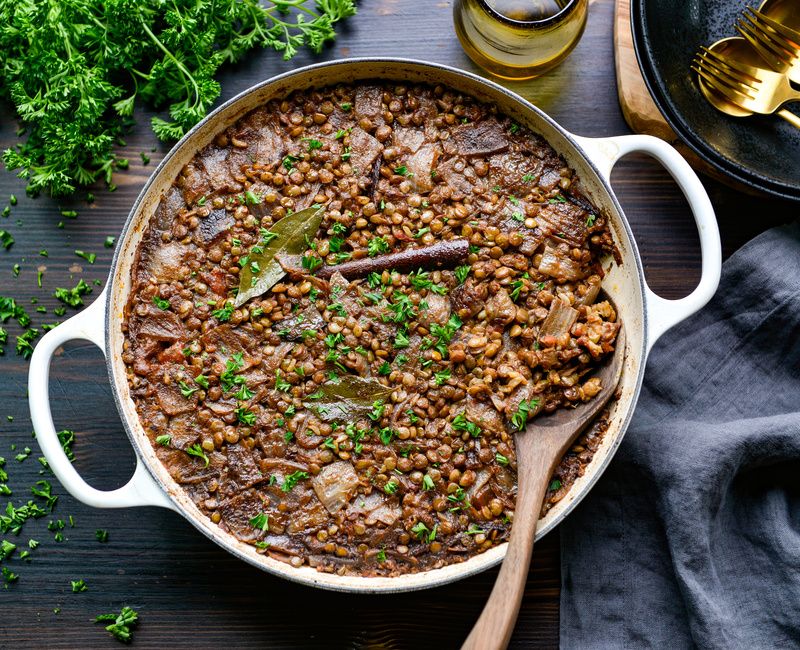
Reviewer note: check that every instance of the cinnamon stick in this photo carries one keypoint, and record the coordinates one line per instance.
(437, 256)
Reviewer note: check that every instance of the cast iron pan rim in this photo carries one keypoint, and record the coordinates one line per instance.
(740, 174)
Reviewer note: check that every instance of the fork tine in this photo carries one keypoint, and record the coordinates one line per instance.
(736, 74)
(726, 91)
(787, 38)
(775, 61)
(724, 76)
(724, 81)
(766, 37)
(741, 68)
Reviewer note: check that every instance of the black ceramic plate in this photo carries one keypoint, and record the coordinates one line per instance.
(760, 151)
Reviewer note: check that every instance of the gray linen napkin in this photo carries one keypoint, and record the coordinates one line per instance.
(692, 536)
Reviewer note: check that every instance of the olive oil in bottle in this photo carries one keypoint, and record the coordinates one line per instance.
(519, 39)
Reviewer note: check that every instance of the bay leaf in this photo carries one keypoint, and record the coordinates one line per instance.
(263, 271)
(349, 399)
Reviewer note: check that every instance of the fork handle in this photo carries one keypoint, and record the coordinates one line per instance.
(790, 117)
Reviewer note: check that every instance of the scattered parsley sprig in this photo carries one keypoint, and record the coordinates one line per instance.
(74, 71)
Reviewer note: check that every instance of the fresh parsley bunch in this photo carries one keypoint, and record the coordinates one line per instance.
(75, 68)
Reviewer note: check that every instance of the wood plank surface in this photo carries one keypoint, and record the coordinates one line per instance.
(190, 593)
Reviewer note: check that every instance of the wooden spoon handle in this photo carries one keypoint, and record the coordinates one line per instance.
(496, 623)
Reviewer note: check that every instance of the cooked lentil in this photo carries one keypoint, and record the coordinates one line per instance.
(424, 474)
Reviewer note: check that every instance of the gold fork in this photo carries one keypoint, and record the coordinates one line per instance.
(778, 45)
(754, 89)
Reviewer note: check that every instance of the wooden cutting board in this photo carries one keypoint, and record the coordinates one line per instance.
(638, 107)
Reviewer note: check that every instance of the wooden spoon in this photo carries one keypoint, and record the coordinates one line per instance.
(539, 449)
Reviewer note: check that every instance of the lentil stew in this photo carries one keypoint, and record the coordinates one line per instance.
(357, 414)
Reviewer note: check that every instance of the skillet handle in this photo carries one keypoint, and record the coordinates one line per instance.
(141, 490)
(662, 313)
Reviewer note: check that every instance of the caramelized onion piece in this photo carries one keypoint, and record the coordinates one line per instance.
(559, 320)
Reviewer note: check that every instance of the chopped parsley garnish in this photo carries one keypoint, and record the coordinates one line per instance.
(384, 368)
(377, 245)
(186, 390)
(558, 199)
(590, 220)
(387, 434)
(201, 380)
(443, 334)
(520, 418)
(403, 171)
(121, 624)
(197, 450)
(293, 479)
(335, 243)
(312, 143)
(502, 460)
(442, 376)
(281, 384)
(528, 178)
(9, 576)
(390, 487)
(310, 262)
(516, 287)
(460, 423)
(6, 240)
(260, 522)
(378, 407)
(67, 437)
(245, 416)
(401, 309)
(79, 586)
(288, 162)
(380, 556)
(56, 527)
(6, 549)
(224, 313)
(459, 497)
(101, 535)
(423, 533)
(420, 280)
(346, 106)
(43, 489)
(161, 303)
(401, 340)
(72, 297)
(14, 518)
(89, 257)
(461, 273)
(427, 482)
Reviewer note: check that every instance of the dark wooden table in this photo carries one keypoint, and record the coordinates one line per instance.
(188, 592)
